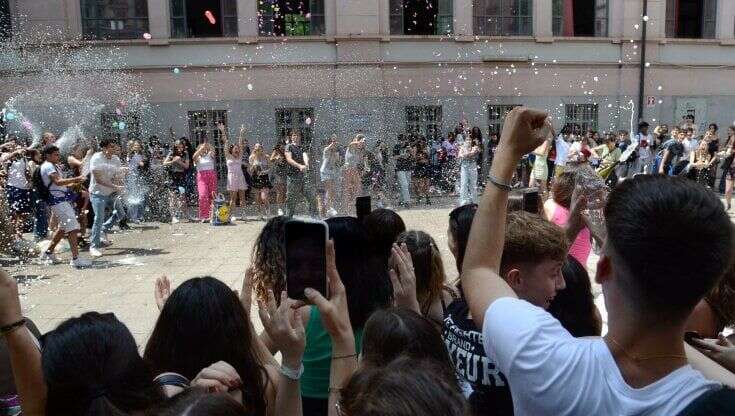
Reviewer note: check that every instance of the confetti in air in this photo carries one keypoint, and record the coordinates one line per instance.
(250, 87)
(177, 71)
(147, 36)
(210, 17)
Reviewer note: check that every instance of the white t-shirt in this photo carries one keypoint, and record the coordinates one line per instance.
(562, 150)
(205, 162)
(107, 168)
(690, 145)
(643, 152)
(48, 168)
(17, 174)
(552, 373)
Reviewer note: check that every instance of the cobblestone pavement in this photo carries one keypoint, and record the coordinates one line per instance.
(122, 280)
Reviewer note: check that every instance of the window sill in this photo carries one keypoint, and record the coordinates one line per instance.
(694, 41)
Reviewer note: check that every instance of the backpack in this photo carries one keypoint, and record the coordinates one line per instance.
(43, 192)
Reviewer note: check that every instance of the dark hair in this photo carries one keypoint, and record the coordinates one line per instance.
(269, 259)
(391, 333)
(428, 267)
(203, 322)
(642, 124)
(49, 149)
(366, 282)
(91, 366)
(574, 306)
(106, 142)
(460, 222)
(476, 133)
(563, 188)
(405, 387)
(383, 227)
(713, 125)
(197, 402)
(688, 228)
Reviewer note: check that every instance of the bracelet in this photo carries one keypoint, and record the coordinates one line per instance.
(336, 390)
(502, 186)
(12, 327)
(290, 373)
(341, 357)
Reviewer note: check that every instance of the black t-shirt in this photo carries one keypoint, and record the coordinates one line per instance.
(674, 147)
(714, 402)
(297, 154)
(402, 163)
(481, 380)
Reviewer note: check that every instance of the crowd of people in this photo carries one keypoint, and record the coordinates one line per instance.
(517, 333)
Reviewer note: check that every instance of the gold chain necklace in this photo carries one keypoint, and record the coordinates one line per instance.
(652, 357)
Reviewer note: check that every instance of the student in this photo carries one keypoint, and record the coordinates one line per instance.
(534, 252)
(297, 186)
(575, 306)
(104, 167)
(640, 366)
(58, 197)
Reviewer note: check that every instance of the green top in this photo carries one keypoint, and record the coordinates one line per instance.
(607, 156)
(318, 357)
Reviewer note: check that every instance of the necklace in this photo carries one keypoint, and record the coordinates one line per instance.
(652, 357)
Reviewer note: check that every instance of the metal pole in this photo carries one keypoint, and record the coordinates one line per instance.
(642, 77)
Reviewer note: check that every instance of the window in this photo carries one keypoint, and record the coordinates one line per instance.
(291, 18)
(203, 18)
(114, 19)
(421, 17)
(581, 117)
(580, 18)
(295, 119)
(120, 126)
(503, 17)
(496, 116)
(6, 22)
(203, 127)
(691, 19)
(425, 120)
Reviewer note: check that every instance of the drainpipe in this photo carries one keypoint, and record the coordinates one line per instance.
(642, 76)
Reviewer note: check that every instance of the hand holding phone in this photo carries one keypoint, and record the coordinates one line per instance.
(306, 257)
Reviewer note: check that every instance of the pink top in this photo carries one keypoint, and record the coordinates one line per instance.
(582, 245)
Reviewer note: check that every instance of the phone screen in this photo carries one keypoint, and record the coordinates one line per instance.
(363, 206)
(531, 201)
(305, 257)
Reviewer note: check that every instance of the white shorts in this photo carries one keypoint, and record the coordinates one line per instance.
(66, 215)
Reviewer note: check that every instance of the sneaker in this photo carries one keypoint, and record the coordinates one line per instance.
(80, 263)
(48, 258)
(95, 252)
(332, 212)
(174, 220)
(124, 226)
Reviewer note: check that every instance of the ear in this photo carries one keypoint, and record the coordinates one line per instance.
(514, 280)
(604, 269)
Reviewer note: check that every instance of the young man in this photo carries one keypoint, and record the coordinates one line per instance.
(533, 254)
(104, 167)
(673, 161)
(645, 157)
(59, 199)
(640, 366)
(297, 187)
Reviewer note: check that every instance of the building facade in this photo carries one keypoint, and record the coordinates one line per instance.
(385, 67)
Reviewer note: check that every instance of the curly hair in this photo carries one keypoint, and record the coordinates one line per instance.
(268, 259)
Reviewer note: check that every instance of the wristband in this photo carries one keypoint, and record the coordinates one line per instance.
(341, 357)
(290, 373)
(502, 186)
(12, 327)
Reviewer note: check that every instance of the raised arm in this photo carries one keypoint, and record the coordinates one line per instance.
(25, 356)
(225, 140)
(480, 277)
(199, 152)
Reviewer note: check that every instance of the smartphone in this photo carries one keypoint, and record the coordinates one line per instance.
(363, 206)
(306, 262)
(531, 201)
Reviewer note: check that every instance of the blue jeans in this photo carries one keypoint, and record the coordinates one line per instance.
(404, 185)
(468, 183)
(40, 223)
(99, 206)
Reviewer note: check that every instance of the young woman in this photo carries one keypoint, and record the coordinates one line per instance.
(353, 168)
(190, 184)
(476, 136)
(468, 152)
(268, 260)
(450, 168)
(700, 168)
(136, 187)
(374, 176)
(204, 160)
(574, 306)
(18, 187)
(76, 162)
(421, 171)
(185, 342)
(236, 184)
(329, 174)
(280, 167)
(432, 294)
(540, 172)
(557, 210)
(260, 174)
(177, 163)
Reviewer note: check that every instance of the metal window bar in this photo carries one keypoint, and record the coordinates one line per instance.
(227, 22)
(203, 127)
(424, 120)
(496, 116)
(107, 19)
(443, 25)
(581, 117)
(310, 22)
(291, 119)
(110, 126)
